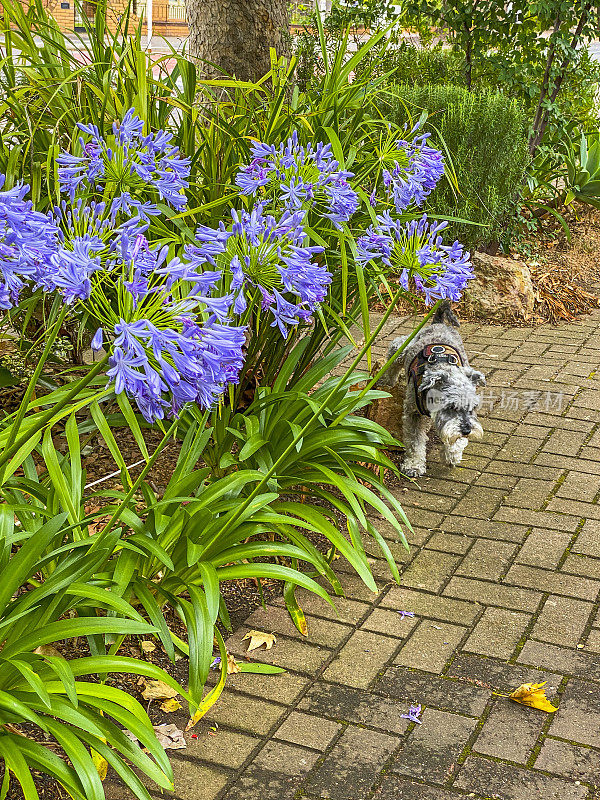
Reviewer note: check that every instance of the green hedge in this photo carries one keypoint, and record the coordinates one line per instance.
(486, 136)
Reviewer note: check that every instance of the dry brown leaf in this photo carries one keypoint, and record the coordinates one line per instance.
(533, 695)
(170, 705)
(48, 650)
(258, 639)
(158, 690)
(232, 665)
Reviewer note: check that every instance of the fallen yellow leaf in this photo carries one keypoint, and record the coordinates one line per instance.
(533, 695)
(170, 705)
(148, 646)
(258, 639)
(100, 763)
(158, 690)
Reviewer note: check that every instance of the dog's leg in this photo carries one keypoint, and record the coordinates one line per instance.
(452, 453)
(414, 435)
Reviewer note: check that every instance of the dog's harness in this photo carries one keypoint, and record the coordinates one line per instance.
(430, 354)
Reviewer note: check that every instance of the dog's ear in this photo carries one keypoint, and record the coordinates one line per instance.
(478, 378)
(434, 380)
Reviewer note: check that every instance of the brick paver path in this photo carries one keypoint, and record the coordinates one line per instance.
(503, 576)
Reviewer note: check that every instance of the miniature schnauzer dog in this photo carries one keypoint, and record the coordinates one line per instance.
(441, 391)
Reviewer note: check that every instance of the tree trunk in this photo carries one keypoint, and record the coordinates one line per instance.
(233, 37)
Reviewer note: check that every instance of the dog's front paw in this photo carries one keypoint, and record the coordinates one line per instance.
(452, 454)
(412, 470)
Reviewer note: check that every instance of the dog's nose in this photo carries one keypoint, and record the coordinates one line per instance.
(466, 428)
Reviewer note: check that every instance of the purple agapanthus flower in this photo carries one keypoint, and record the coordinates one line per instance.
(300, 178)
(137, 165)
(416, 253)
(264, 252)
(414, 179)
(406, 614)
(413, 714)
(28, 240)
(162, 369)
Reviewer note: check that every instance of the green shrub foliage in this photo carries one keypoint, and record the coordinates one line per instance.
(485, 134)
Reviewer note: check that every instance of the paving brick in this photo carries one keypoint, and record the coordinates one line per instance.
(277, 620)
(519, 448)
(430, 646)
(388, 622)
(588, 399)
(307, 730)
(426, 500)
(287, 653)
(395, 787)
(449, 542)
(565, 442)
(564, 462)
(195, 780)
(432, 748)
(431, 605)
(489, 530)
(575, 508)
(570, 761)
(352, 767)
(284, 757)
(493, 594)
(245, 713)
(505, 782)
(508, 733)
(284, 688)
(544, 548)
(588, 539)
(529, 493)
(498, 632)
(494, 481)
(578, 564)
(561, 660)
(441, 693)
(579, 486)
(357, 706)
(551, 472)
(361, 658)
(266, 784)
(578, 715)
(538, 519)
(488, 673)
(562, 620)
(593, 640)
(228, 749)
(479, 502)
(349, 611)
(487, 559)
(430, 570)
(557, 583)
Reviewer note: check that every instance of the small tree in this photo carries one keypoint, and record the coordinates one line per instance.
(533, 45)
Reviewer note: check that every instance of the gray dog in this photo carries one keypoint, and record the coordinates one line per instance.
(441, 391)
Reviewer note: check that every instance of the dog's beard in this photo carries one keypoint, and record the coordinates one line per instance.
(477, 432)
(449, 432)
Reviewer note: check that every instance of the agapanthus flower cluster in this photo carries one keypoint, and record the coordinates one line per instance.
(294, 177)
(417, 255)
(133, 164)
(164, 368)
(259, 257)
(414, 179)
(27, 241)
